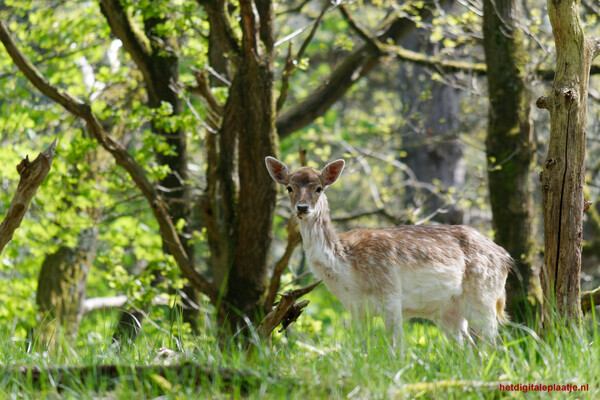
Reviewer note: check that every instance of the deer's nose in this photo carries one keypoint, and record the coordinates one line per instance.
(302, 207)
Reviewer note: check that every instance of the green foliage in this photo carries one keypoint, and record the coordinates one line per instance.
(71, 46)
(322, 356)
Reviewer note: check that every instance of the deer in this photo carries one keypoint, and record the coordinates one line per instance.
(452, 275)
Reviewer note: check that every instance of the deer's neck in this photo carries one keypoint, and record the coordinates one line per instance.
(321, 243)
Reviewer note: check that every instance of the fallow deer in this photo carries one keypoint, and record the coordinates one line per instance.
(450, 274)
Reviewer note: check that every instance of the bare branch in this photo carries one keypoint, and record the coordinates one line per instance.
(136, 44)
(121, 156)
(356, 65)
(313, 30)
(381, 212)
(249, 25)
(266, 18)
(219, 24)
(293, 241)
(288, 70)
(32, 176)
(203, 89)
(296, 9)
(292, 62)
(434, 62)
(367, 37)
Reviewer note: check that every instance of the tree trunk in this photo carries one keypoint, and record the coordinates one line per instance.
(250, 116)
(563, 174)
(248, 277)
(62, 284)
(240, 195)
(432, 142)
(435, 150)
(161, 88)
(160, 68)
(510, 151)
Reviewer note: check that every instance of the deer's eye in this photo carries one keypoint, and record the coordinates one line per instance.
(319, 189)
(289, 189)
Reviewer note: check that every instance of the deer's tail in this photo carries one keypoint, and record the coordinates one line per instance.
(501, 314)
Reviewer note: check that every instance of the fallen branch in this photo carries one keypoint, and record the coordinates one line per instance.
(92, 304)
(101, 376)
(32, 175)
(287, 310)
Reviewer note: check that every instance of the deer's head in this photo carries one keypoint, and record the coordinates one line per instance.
(304, 185)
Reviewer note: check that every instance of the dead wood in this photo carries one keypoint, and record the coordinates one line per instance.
(286, 311)
(589, 299)
(32, 175)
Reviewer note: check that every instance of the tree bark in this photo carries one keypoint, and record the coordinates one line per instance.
(563, 173)
(510, 150)
(250, 116)
(240, 197)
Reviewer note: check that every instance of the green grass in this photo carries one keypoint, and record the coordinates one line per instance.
(329, 358)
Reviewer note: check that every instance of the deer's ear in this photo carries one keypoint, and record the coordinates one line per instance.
(331, 172)
(278, 170)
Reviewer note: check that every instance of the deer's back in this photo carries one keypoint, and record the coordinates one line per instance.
(445, 256)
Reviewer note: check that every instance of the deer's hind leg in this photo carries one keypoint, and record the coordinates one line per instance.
(453, 322)
(483, 321)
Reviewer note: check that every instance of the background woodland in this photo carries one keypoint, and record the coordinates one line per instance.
(158, 207)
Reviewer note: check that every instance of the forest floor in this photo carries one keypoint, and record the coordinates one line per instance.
(328, 358)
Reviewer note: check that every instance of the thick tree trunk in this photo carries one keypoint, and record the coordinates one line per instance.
(511, 150)
(248, 277)
(253, 106)
(432, 143)
(563, 174)
(435, 151)
(240, 195)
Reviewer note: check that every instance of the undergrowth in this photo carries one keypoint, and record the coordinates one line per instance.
(327, 358)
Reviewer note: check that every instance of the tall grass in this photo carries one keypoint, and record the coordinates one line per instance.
(331, 359)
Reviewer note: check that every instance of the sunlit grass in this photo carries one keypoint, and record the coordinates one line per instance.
(335, 359)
